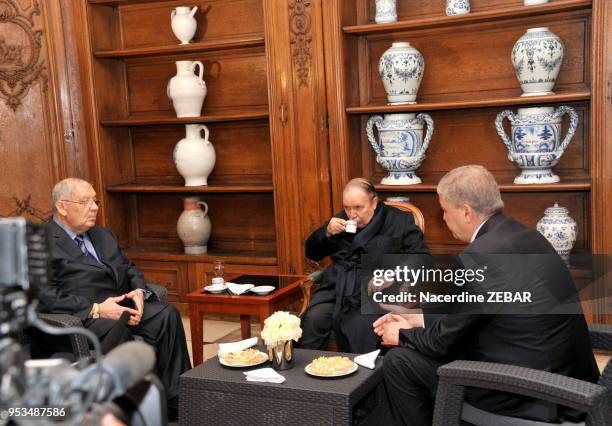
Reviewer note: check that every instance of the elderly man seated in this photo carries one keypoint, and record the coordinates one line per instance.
(94, 281)
(336, 304)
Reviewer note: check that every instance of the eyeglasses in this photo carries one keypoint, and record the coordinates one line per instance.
(87, 203)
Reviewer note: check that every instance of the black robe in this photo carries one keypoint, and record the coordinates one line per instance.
(391, 231)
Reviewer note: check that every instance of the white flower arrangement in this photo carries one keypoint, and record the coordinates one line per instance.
(281, 327)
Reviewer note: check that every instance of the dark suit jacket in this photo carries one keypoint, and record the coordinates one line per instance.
(556, 343)
(79, 281)
(391, 231)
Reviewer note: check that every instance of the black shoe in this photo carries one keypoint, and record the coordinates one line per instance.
(173, 409)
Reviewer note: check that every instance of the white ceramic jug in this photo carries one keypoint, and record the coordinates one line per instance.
(183, 23)
(193, 226)
(193, 156)
(187, 90)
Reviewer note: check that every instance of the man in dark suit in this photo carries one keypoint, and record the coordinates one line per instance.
(336, 305)
(558, 343)
(94, 281)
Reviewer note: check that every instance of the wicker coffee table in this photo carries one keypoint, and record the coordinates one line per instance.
(216, 395)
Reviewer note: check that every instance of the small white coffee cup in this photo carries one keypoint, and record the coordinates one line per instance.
(351, 226)
(217, 281)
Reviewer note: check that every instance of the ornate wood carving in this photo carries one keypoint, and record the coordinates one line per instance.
(24, 207)
(300, 26)
(21, 63)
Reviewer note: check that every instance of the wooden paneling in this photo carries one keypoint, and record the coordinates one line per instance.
(470, 137)
(172, 275)
(235, 78)
(40, 102)
(153, 147)
(216, 19)
(463, 63)
(250, 227)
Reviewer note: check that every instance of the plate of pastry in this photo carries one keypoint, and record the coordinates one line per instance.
(331, 366)
(246, 358)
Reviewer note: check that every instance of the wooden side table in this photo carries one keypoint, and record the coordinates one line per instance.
(287, 291)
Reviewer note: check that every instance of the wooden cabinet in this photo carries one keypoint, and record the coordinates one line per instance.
(468, 80)
(291, 85)
(253, 106)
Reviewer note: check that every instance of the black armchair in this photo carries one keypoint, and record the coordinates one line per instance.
(593, 399)
(80, 345)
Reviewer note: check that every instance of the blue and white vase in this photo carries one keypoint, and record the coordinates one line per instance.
(457, 7)
(559, 229)
(386, 11)
(536, 145)
(537, 58)
(401, 147)
(401, 69)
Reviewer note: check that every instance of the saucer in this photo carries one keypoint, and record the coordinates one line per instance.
(262, 290)
(215, 288)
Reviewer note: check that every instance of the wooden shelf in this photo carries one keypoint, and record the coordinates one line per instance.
(235, 115)
(180, 49)
(456, 102)
(469, 18)
(565, 185)
(117, 2)
(229, 257)
(157, 188)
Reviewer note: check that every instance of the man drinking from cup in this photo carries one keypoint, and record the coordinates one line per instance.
(365, 227)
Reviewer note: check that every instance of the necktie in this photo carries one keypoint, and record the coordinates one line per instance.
(81, 243)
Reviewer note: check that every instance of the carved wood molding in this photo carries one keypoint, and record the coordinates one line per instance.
(24, 207)
(300, 25)
(21, 63)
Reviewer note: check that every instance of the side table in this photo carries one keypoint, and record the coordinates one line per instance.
(287, 291)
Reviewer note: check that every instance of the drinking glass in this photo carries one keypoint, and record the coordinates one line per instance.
(219, 269)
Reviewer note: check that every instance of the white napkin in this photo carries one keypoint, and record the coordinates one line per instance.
(264, 375)
(239, 288)
(225, 348)
(367, 360)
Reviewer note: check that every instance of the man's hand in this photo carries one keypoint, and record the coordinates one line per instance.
(110, 308)
(374, 288)
(388, 326)
(336, 226)
(138, 297)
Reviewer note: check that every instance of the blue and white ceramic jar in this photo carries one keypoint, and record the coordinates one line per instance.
(457, 7)
(386, 11)
(401, 148)
(559, 229)
(537, 58)
(401, 69)
(536, 145)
